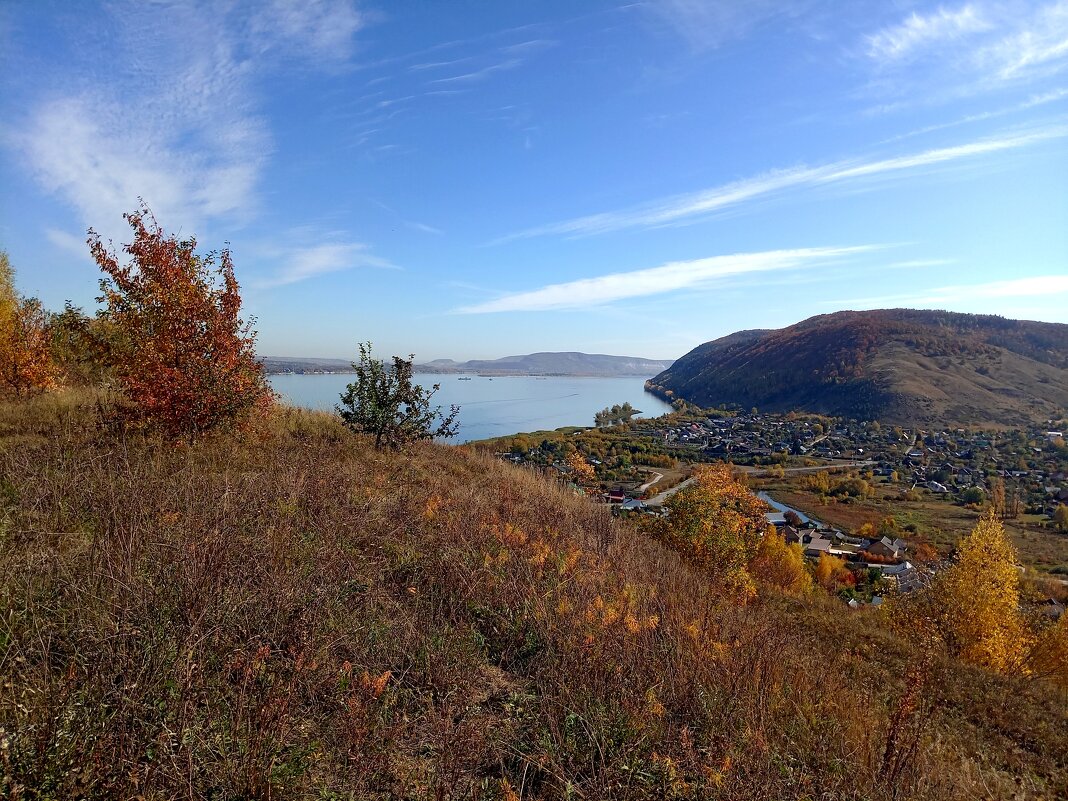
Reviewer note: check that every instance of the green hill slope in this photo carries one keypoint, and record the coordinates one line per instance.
(898, 365)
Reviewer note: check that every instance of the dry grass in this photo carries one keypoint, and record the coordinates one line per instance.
(290, 614)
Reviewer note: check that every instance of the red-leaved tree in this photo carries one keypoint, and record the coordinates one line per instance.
(183, 356)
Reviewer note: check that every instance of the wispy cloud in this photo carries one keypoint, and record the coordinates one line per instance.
(423, 227)
(529, 46)
(483, 73)
(300, 264)
(172, 114)
(66, 241)
(1039, 286)
(980, 47)
(919, 32)
(671, 277)
(705, 24)
(679, 209)
(1040, 44)
(914, 264)
(415, 225)
(1032, 102)
(322, 29)
(433, 65)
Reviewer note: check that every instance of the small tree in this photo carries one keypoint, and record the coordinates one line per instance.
(81, 346)
(581, 470)
(1060, 517)
(831, 572)
(25, 358)
(183, 356)
(978, 599)
(384, 402)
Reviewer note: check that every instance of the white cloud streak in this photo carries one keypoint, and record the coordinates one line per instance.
(705, 24)
(68, 242)
(300, 264)
(671, 277)
(172, 114)
(481, 74)
(324, 29)
(1041, 44)
(980, 47)
(687, 207)
(919, 32)
(1039, 286)
(1034, 101)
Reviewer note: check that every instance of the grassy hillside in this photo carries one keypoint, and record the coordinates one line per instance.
(899, 365)
(290, 614)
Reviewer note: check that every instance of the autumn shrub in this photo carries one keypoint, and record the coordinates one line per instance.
(831, 573)
(716, 524)
(183, 356)
(26, 363)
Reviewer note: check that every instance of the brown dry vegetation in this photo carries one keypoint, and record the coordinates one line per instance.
(294, 615)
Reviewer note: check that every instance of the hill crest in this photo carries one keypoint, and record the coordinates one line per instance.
(897, 365)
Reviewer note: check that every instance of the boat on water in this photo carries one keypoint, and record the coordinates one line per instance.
(463, 378)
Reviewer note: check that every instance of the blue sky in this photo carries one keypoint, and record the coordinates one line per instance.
(476, 179)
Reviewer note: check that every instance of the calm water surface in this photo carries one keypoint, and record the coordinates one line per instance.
(498, 406)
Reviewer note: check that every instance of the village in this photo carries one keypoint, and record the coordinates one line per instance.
(1022, 472)
(1030, 465)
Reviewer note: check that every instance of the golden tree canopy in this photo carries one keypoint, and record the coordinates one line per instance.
(716, 523)
(781, 564)
(581, 470)
(979, 599)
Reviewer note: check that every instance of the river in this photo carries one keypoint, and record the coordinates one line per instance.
(498, 406)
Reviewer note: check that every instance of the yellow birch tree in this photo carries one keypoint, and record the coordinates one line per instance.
(978, 599)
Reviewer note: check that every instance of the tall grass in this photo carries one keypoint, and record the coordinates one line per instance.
(290, 614)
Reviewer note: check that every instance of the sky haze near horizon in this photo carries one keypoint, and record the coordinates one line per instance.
(481, 179)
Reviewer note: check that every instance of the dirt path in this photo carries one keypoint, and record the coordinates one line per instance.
(658, 500)
(647, 484)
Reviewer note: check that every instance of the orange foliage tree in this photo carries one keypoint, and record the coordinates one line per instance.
(716, 523)
(25, 358)
(185, 359)
(581, 470)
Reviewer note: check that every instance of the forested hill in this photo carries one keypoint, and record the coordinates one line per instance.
(898, 365)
